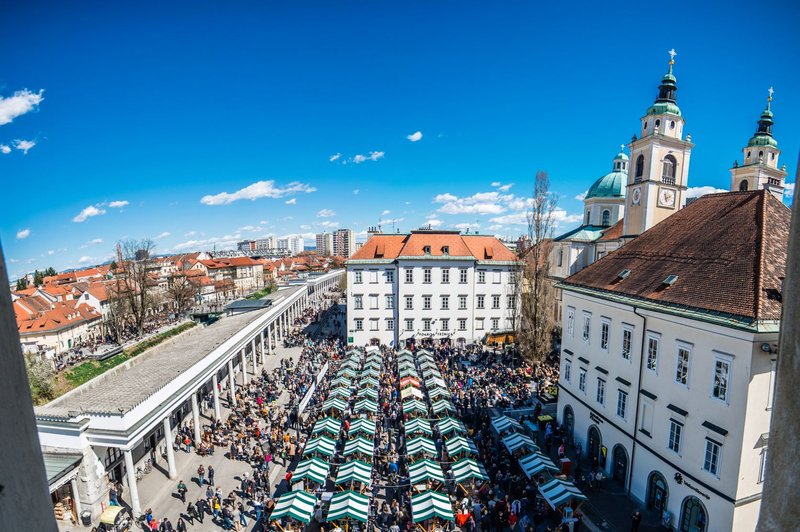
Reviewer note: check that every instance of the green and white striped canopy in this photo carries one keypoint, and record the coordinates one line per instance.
(424, 470)
(448, 425)
(428, 373)
(329, 425)
(411, 392)
(366, 405)
(434, 382)
(350, 363)
(373, 363)
(298, 505)
(341, 381)
(443, 406)
(517, 441)
(375, 356)
(535, 463)
(320, 445)
(370, 372)
(501, 424)
(414, 406)
(558, 492)
(354, 470)
(314, 469)
(371, 393)
(406, 365)
(359, 445)
(342, 392)
(408, 371)
(420, 445)
(428, 363)
(368, 382)
(353, 352)
(346, 372)
(468, 469)
(430, 504)
(334, 403)
(373, 349)
(459, 444)
(348, 505)
(418, 426)
(423, 352)
(403, 352)
(362, 426)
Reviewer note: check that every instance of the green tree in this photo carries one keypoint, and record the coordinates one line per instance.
(50, 271)
(40, 378)
(38, 277)
(22, 283)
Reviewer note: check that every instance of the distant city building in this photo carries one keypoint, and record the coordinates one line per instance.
(325, 244)
(265, 245)
(293, 244)
(344, 243)
(246, 246)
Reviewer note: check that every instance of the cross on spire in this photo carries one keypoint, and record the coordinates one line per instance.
(769, 99)
(672, 53)
(622, 147)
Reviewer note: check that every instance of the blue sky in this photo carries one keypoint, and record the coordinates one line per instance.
(145, 114)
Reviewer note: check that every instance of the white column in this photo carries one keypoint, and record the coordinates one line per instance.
(75, 497)
(231, 382)
(130, 475)
(196, 419)
(243, 359)
(273, 341)
(173, 472)
(264, 346)
(255, 367)
(215, 386)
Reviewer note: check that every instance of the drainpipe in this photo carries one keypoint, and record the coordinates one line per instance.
(638, 397)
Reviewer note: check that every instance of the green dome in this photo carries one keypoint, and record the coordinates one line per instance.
(762, 140)
(608, 186)
(664, 108)
(621, 156)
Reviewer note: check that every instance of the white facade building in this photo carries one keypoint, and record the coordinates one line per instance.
(344, 243)
(430, 286)
(293, 244)
(324, 244)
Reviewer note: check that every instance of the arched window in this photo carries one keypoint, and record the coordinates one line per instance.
(606, 217)
(743, 185)
(586, 219)
(639, 168)
(668, 170)
(693, 516)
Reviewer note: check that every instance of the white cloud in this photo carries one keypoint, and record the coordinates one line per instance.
(433, 222)
(414, 137)
(581, 196)
(326, 213)
(696, 192)
(24, 145)
(92, 242)
(465, 226)
(86, 259)
(496, 183)
(501, 187)
(22, 102)
(22, 234)
(118, 204)
(518, 218)
(480, 203)
(356, 191)
(385, 212)
(51, 251)
(329, 223)
(87, 213)
(5, 149)
(292, 201)
(560, 217)
(335, 157)
(259, 189)
(165, 234)
(372, 156)
(788, 190)
(190, 233)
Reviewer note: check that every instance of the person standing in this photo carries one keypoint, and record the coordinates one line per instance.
(210, 474)
(182, 491)
(636, 520)
(201, 474)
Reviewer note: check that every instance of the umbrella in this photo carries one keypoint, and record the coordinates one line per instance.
(359, 445)
(460, 444)
(418, 425)
(314, 469)
(516, 441)
(329, 425)
(349, 505)
(420, 445)
(501, 424)
(362, 425)
(295, 504)
(430, 504)
(557, 492)
(423, 470)
(535, 463)
(467, 469)
(354, 470)
(322, 445)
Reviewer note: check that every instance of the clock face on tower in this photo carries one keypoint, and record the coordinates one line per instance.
(636, 195)
(666, 197)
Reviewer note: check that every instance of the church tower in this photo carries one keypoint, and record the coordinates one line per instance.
(659, 162)
(760, 167)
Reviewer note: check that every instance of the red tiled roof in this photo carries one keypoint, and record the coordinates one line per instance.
(413, 245)
(63, 315)
(728, 251)
(612, 233)
(230, 262)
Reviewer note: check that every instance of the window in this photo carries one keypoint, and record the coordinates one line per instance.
(462, 302)
(409, 302)
(426, 250)
(675, 431)
(601, 391)
(359, 324)
(711, 461)
(426, 324)
(481, 276)
(512, 277)
(762, 471)
(409, 324)
(373, 301)
(445, 275)
(357, 277)
(409, 276)
(587, 326)
(426, 302)
(373, 276)
(496, 276)
(478, 324)
(511, 302)
(560, 257)
(652, 353)
(445, 324)
(495, 323)
(622, 403)
(682, 365)
(445, 302)
(639, 169)
(568, 371)
(389, 301)
(495, 301)
(722, 373)
(373, 324)
(571, 321)
(627, 338)
(604, 328)
(445, 250)
(586, 218)
(647, 416)
(389, 276)
(606, 218)
(743, 185)
(462, 275)
(771, 394)
(389, 324)
(426, 275)
(462, 324)
(481, 301)
(358, 302)
(658, 123)
(668, 170)
(582, 380)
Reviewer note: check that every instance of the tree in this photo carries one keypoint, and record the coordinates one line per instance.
(38, 278)
(50, 271)
(181, 292)
(22, 283)
(535, 324)
(40, 378)
(132, 294)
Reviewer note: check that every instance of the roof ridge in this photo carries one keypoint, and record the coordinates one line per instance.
(762, 216)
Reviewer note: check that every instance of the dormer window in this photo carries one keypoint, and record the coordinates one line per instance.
(445, 250)
(426, 250)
